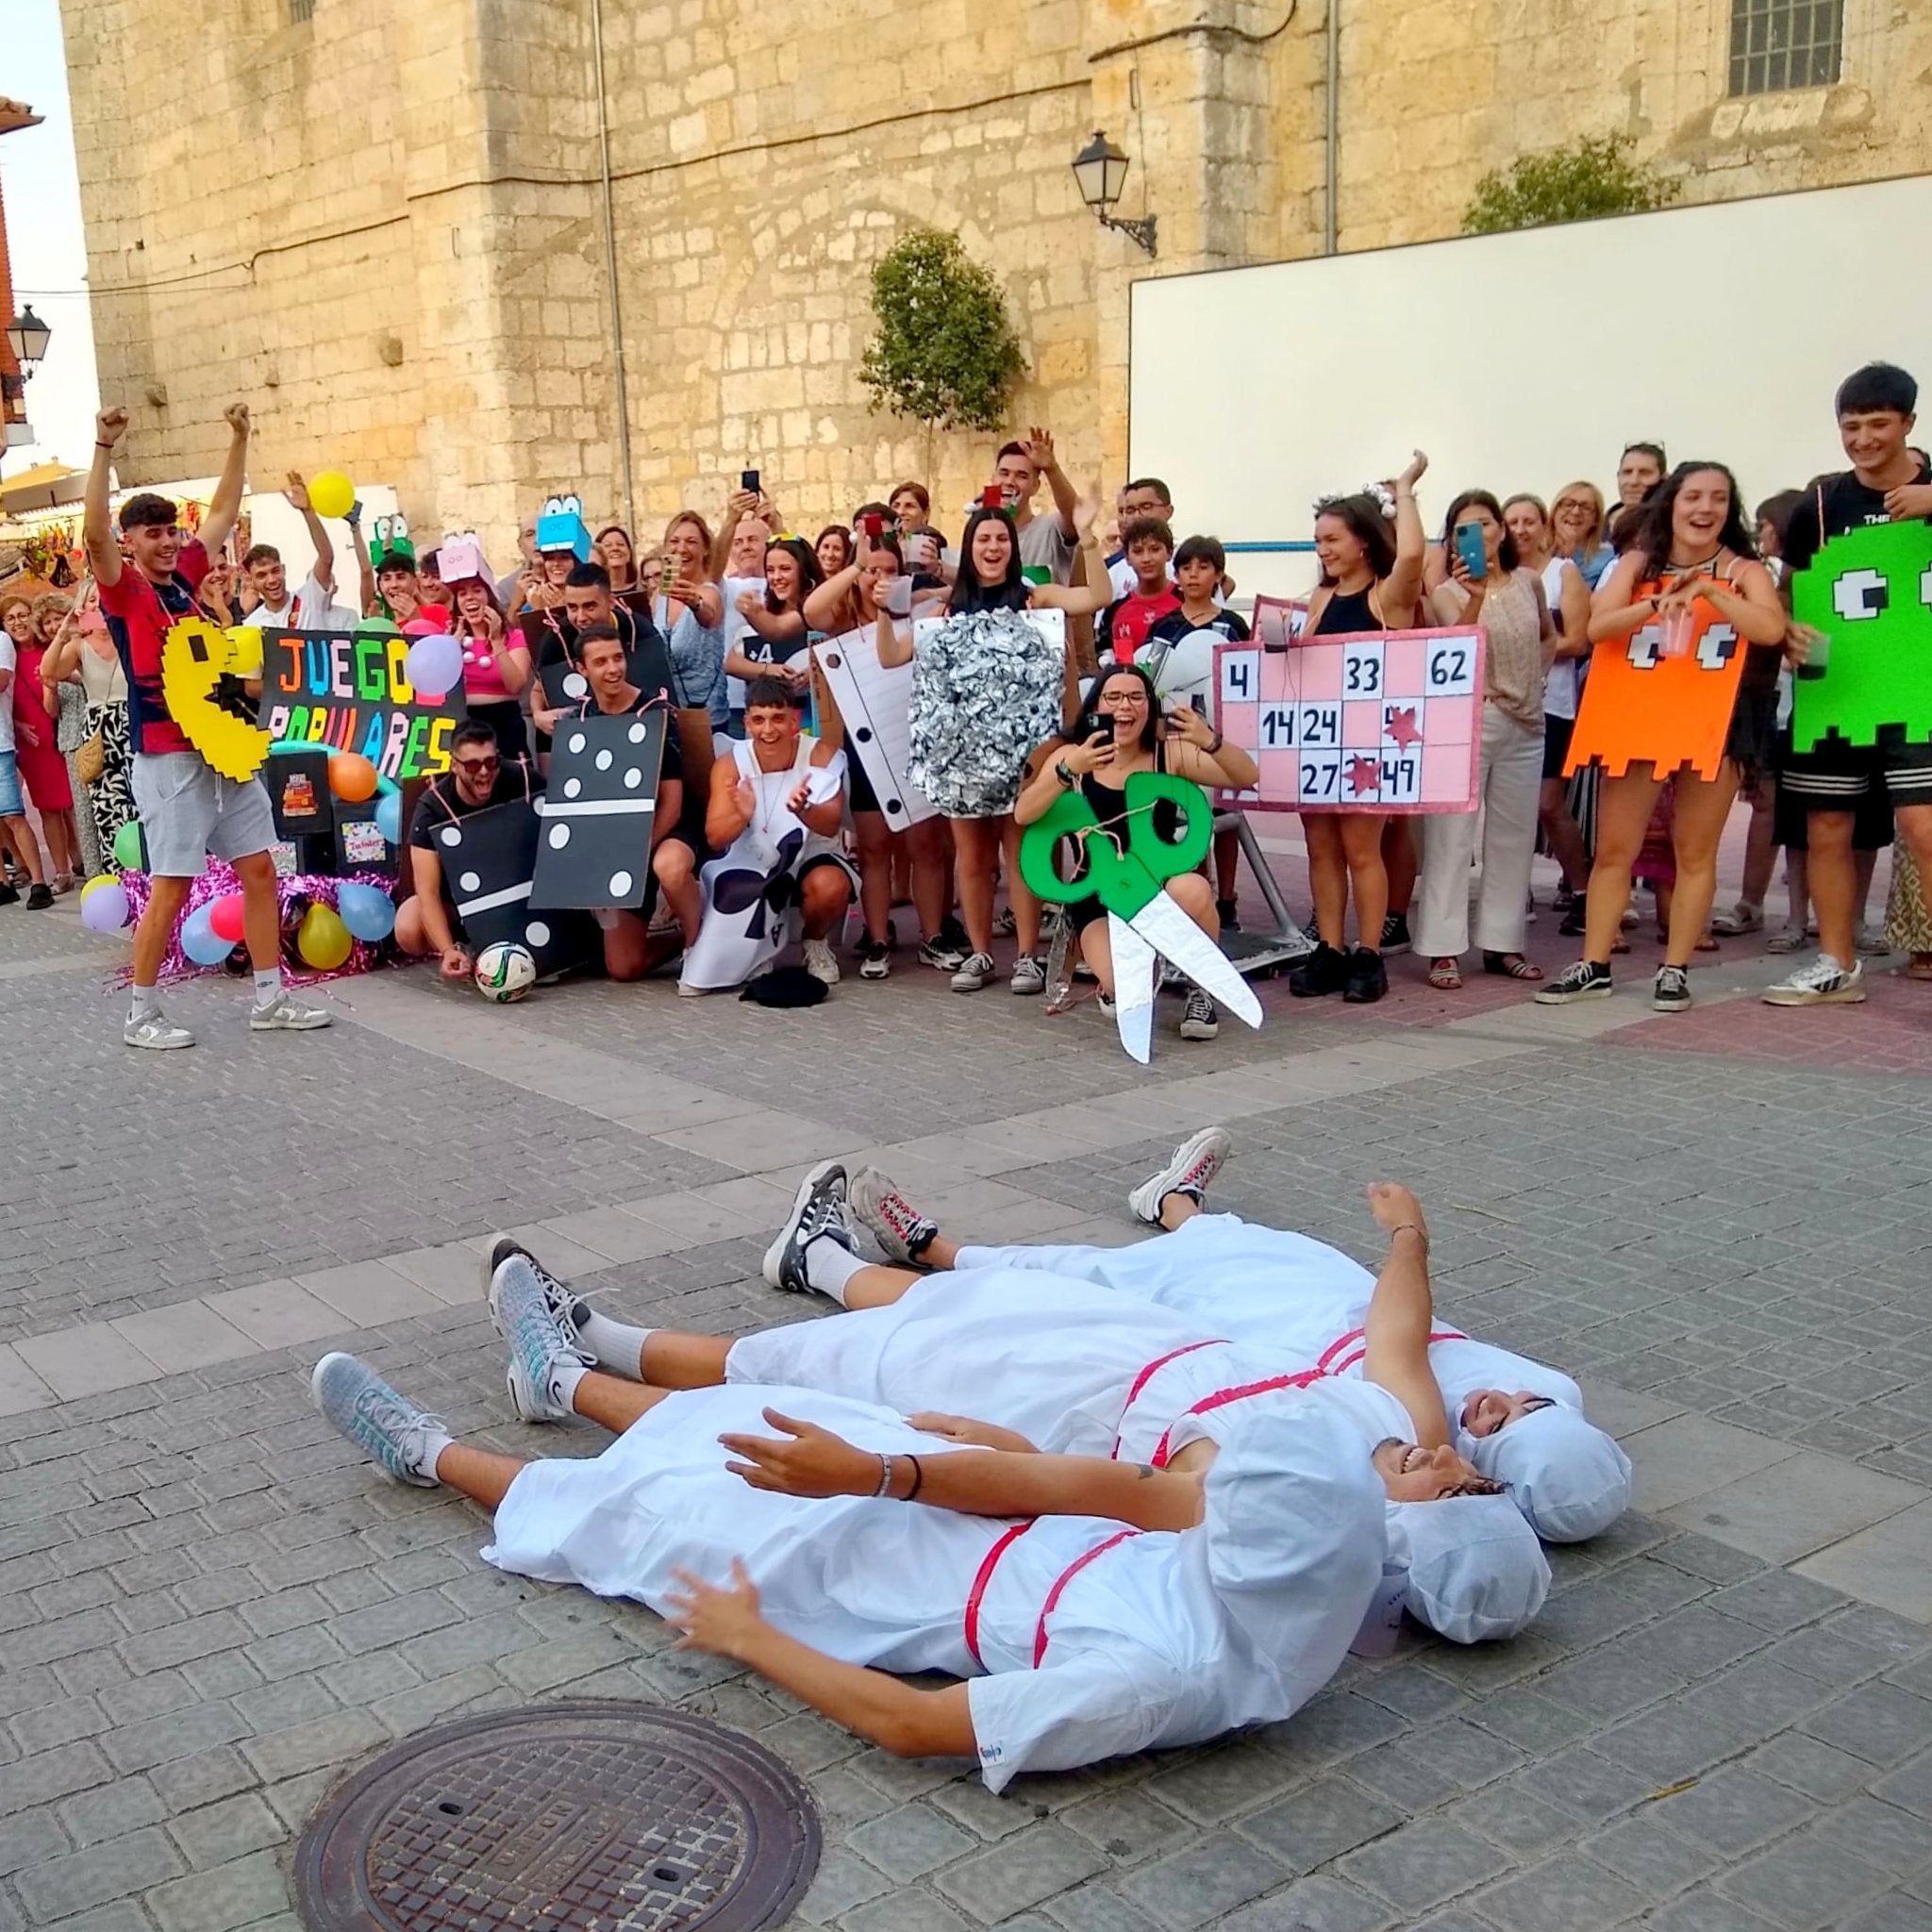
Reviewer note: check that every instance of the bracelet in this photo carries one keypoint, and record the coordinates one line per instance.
(98, 445)
(1065, 773)
(918, 1478)
(1410, 1227)
(885, 1476)
(1219, 739)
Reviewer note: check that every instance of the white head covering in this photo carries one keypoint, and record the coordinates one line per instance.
(1475, 1569)
(1566, 1475)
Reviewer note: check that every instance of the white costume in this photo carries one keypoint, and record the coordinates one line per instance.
(751, 892)
(1081, 1371)
(1308, 1301)
(1096, 1640)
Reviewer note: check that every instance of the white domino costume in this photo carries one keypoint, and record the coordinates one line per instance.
(1082, 1639)
(1079, 1369)
(1308, 1301)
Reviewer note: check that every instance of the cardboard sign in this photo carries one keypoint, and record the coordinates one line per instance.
(1662, 696)
(1382, 722)
(875, 703)
(561, 526)
(1870, 591)
(489, 862)
(298, 789)
(349, 691)
(202, 681)
(599, 810)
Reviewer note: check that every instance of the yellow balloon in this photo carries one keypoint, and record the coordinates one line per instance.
(99, 879)
(331, 493)
(322, 938)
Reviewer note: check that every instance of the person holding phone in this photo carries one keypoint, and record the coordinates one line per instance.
(1120, 731)
(1489, 585)
(1370, 547)
(690, 610)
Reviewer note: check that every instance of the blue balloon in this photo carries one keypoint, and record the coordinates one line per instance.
(369, 914)
(389, 817)
(201, 941)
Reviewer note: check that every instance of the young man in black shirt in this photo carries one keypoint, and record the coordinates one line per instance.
(1889, 481)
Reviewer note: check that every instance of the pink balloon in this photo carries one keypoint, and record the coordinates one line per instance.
(225, 918)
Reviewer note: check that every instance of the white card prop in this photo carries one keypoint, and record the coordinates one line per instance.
(599, 812)
(987, 688)
(751, 892)
(876, 702)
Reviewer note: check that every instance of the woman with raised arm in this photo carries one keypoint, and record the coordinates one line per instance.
(1371, 554)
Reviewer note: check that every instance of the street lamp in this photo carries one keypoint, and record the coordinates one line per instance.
(1100, 168)
(28, 336)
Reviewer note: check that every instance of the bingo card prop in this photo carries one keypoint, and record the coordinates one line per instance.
(876, 705)
(1870, 591)
(598, 813)
(1385, 721)
(1661, 696)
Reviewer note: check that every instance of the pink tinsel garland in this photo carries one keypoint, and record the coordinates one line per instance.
(219, 880)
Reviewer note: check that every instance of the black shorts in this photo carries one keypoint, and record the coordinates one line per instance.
(1790, 819)
(1558, 733)
(1835, 777)
(858, 788)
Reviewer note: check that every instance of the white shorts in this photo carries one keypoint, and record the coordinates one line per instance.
(188, 811)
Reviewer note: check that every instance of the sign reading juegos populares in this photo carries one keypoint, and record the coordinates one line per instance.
(350, 691)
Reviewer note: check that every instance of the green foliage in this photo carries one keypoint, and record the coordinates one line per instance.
(945, 354)
(1568, 184)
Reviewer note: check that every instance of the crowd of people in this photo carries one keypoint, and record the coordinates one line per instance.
(715, 627)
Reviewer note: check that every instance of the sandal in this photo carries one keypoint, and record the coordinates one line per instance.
(1707, 944)
(1921, 967)
(1511, 966)
(1445, 975)
(1620, 944)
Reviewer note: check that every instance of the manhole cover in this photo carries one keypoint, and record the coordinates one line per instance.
(575, 1817)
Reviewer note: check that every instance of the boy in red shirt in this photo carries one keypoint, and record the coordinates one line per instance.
(1124, 624)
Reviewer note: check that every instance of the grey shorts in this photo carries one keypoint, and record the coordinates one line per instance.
(188, 811)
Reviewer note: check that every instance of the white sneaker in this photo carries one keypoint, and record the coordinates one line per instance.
(1823, 983)
(403, 1440)
(157, 1032)
(819, 962)
(821, 1210)
(973, 973)
(1029, 975)
(1189, 1170)
(286, 1015)
(521, 1313)
(901, 1230)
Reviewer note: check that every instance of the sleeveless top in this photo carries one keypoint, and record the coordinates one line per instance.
(1346, 612)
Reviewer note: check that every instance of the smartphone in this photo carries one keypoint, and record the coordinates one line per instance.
(1469, 546)
(748, 481)
(992, 497)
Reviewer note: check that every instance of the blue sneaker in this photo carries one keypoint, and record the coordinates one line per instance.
(402, 1440)
(570, 1309)
(538, 1342)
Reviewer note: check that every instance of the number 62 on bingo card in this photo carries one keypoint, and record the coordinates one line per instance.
(1383, 721)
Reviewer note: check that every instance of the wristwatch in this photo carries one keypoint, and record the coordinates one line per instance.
(1065, 773)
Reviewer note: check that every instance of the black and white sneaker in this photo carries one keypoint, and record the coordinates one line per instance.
(901, 1230)
(1229, 913)
(1004, 923)
(1199, 1021)
(1823, 983)
(1190, 1168)
(1029, 975)
(940, 954)
(1582, 982)
(1395, 935)
(874, 960)
(1672, 991)
(820, 1213)
(567, 1308)
(974, 972)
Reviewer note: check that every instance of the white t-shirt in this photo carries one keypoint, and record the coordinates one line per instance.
(10, 658)
(309, 607)
(738, 628)
(1564, 683)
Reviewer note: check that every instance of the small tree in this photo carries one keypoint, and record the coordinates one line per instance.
(1589, 176)
(945, 354)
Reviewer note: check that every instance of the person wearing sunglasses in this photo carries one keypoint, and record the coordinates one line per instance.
(478, 777)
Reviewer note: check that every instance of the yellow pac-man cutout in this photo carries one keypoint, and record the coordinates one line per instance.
(201, 679)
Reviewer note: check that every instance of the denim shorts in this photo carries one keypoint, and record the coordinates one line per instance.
(12, 805)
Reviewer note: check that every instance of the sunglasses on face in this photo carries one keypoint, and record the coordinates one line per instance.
(473, 766)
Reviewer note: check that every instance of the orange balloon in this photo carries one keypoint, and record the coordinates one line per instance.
(351, 778)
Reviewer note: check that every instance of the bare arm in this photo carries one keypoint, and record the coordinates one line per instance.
(364, 568)
(96, 523)
(727, 813)
(1572, 601)
(1396, 1333)
(826, 606)
(324, 570)
(896, 1716)
(425, 869)
(226, 504)
(1402, 588)
(1065, 498)
(1613, 614)
(1751, 607)
(894, 647)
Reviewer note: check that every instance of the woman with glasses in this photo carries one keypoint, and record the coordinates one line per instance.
(1120, 731)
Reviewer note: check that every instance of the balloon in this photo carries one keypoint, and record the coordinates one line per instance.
(127, 853)
(322, 940)
(435, 664)
(331, 494)
(224, 917)
(105, 910)
(368, 914)
(389, 816)
(94, 884)
(200, 940)
(351, 778)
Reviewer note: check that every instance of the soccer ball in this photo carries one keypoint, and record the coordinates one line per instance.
(504, 973)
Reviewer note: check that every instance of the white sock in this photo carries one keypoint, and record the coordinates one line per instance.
(143, 1003)
(268, 987)
(618, 1346)
(434, 1442)
(564, 1376)
(829, 1265)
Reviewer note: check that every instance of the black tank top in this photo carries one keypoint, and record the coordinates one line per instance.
(1346, 612)
(1109, 803)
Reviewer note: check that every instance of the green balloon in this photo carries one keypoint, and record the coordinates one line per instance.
(127, 853)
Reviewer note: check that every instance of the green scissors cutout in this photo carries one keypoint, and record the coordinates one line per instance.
(1129, 874)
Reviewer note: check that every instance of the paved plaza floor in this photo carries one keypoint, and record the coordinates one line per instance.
(210, 1607)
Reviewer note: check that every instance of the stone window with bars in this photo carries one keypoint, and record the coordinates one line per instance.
(300, 10)
(1776, 44)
